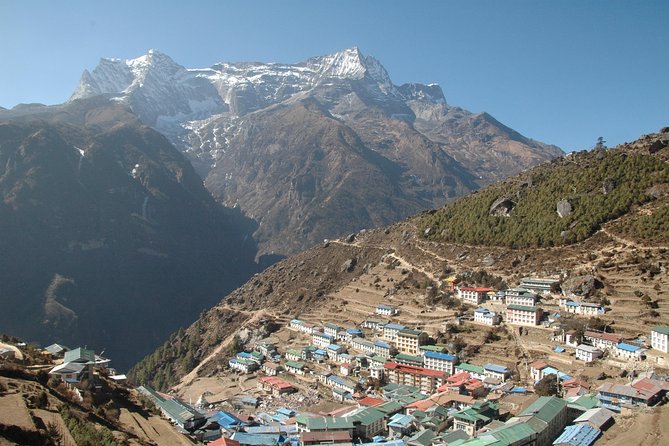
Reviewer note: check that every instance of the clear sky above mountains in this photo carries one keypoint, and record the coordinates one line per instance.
(563, 72)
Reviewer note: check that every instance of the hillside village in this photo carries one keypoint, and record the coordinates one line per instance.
(384, 368)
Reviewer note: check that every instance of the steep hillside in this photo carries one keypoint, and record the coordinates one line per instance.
(285, 142)
(562, 202)
(107, 231)
(343, 280)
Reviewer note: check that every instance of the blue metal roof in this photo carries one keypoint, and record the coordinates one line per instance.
(395, 326)
(384, 307)
(496, 368)
(628, 347)
(442, 356)
(382, 344)
(481, 310)
(578, 435)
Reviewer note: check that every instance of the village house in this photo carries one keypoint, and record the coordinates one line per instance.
(374, 323)
(301, 326)
(474, 417)
(588, 353)
(603, 341)
(614, 396)
(424, 379)
(320, 339)
(383, 349)
(400, 425)
(347, 369)
(659, 339)
(473, 295)
(333, 350)
(523, 315)
(403, 358)
(386, 310)
(296, 368)
(537, 370)
(629, 352)
(408, 340)
(351, 333)
(362, 345)
(540, 285)
(597, 417)
(451, 283)
(243, 365)
(293, 355)
(475, 371)
(520, 296)
(338, 382)
(583, 308)
(56, 350)
(390, 331)
(271, 368)
(267, 348)
(442, 362)
(486, 317)
(325, 437)
(548, 416)
(332, 329)
(276, 386)
(178, 412)
(577, 435)
(496, 372)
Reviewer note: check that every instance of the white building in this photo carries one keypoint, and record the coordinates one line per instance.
(301, 326)
(539, 285)
(332, 329)
(486, 317)
(409, 340)
(523, 315)
(321, 339)
(386, 310)
(603, 341)
(629, 352)
(439, 361)
(588, 353)
(520, 296)
(390, 331)
(473, 295)
(583, 308)
(659, 339)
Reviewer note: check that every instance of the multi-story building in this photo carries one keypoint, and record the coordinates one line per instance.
(332, 329)
(486, 317)
(520, 296)
(442, 362)
(322, 339)
(583, 308)
(475, 417)
(409, 340)
(301, 326)
(659, 338)
(362, 345)
(539, 285)
(426, 380)
(390, 331)
(473, 295)
(386, 310)
(523, 315)
(629, 352)
(383, 349)
(588, 353)
(496, 372)
(603, 341)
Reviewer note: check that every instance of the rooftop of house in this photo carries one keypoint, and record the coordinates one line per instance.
(660, 329)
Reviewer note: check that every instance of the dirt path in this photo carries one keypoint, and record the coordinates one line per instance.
(190, 377)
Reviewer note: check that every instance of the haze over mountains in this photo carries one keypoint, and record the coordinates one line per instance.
(319, 148)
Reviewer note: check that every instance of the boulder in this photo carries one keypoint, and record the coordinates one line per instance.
(502, 207)
(564, 208)
(348, 265)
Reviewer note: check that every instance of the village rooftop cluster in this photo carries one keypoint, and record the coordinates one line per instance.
(397, 386)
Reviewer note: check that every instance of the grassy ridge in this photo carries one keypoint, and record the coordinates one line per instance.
(578, 178)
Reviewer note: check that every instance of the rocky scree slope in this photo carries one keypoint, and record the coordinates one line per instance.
(108, 234)
(241, 126)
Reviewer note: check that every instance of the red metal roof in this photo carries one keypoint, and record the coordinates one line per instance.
(414, 370)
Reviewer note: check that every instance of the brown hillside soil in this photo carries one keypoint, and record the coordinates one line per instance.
(646, 428)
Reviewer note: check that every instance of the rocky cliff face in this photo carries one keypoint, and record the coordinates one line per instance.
(234, 121)
(108, 234)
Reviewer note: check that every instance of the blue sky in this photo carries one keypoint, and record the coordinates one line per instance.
(563, 72)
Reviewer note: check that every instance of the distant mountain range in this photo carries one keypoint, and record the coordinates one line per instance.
(319, 148)
(110, 236)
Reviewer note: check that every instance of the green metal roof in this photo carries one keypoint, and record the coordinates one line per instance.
(522, 308)
(587, 402)
(545, 408)
(389, 407)
(79, 355)
(295, 365)
(470, 368)
(663, 330)
(368, 416)
(512, 433)
(327, 423)
(410, 332)
(409, 358)
(433, 348)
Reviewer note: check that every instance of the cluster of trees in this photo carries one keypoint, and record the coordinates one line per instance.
(600, 186)
(483, 278)
(162, 368)
(86, 433)
(649, 229)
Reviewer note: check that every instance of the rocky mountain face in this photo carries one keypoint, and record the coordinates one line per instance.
(319, 148)
(344, 279)
(108, 234)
